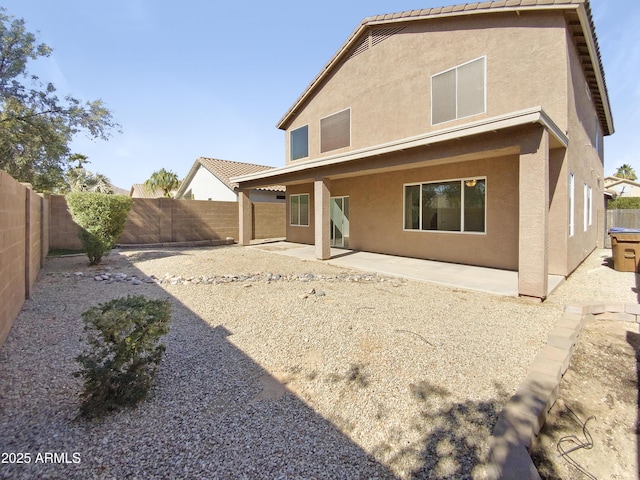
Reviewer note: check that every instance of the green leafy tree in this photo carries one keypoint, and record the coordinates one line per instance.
(36, 124)
(163, 180)
(624, 203)
(626, 171)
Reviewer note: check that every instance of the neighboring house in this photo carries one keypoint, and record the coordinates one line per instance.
(209, 179)
(469, 134)
(139, 190)
(621, 187)
(119, 191)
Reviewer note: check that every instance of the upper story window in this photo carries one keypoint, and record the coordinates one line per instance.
(335, 131)
(459, 92)
(299, 143)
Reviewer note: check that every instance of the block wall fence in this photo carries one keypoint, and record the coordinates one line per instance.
(32, 224)
(24, 244)
(166, 220)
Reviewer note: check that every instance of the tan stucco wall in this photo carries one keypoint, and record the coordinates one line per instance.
(531, 61)
(584, 162)
(376, 220)
(296, 233)
(558, 212)
(388, 87)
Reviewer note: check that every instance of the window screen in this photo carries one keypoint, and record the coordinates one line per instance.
(335, 131)
(443, 97)
(459, 92)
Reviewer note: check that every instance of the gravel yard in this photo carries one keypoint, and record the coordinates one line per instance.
(279, 368)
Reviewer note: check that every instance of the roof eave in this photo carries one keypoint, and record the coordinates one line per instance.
(187, 180)
(597, 65)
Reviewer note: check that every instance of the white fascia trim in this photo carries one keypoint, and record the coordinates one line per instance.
(187, 180)
(514, 119)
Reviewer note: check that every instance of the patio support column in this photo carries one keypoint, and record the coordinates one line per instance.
(533, 249)
(245, 212)
(322, 196)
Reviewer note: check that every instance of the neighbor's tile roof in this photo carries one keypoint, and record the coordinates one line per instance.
(592, 62)
(224, 170)
(138, 190)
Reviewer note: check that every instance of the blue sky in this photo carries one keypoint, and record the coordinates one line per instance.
(200, 78)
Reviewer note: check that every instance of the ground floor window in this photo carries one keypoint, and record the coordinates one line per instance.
(572, 181)
(588, 207)
(449, 206)
(299, 209)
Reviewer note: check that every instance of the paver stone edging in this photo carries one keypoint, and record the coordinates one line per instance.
(525, 413)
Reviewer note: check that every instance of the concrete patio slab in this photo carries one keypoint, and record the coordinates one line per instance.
(490, 280)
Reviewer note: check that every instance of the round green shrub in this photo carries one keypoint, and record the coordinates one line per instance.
(101, 218)
(124, 352)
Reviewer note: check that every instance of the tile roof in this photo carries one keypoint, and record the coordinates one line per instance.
(584, 34)
(224, 170)
(469, 7)
(138, 190)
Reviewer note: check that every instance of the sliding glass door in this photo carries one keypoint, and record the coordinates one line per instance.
(340, 222)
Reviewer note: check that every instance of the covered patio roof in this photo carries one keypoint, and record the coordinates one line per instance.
(522, 118)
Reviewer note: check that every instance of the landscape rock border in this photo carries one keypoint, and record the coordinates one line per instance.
(524, 414)
(107, 276)
(188, 243)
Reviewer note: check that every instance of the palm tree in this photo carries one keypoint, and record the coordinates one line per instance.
(80, 158)
(162, 180)
(82, 180)
(626, 171)
(101, 184)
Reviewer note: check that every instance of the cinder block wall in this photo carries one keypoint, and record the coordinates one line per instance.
(203, 220)
(23, 244)
(269, 220)
(143, 224)
(63, 231)
(36, 217)
(164, 220)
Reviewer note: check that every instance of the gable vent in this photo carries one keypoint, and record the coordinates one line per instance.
(361, 46)
(382, 34)
(373, 38)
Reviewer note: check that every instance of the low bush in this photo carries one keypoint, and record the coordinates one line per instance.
(101, 218)
(624, 203)
(119, 367)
